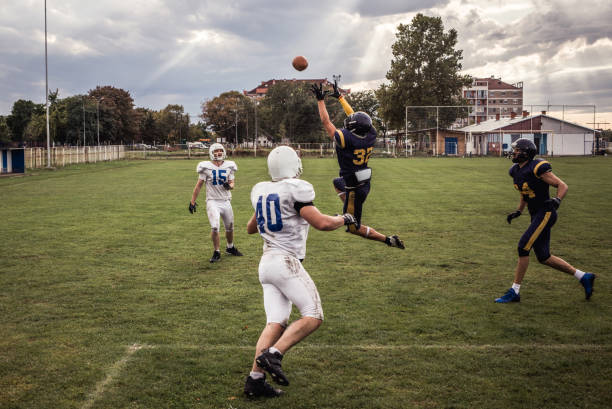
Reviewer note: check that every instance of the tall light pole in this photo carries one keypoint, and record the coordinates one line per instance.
(336, 77)
(98, 117)
(47, 94)
(84, 143)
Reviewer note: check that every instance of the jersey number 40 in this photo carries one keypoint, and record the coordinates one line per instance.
(264, 218)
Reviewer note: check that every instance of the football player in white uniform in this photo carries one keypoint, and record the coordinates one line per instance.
(218, 174)
(284, 210)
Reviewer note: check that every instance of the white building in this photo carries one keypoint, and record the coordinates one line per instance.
(551, 135)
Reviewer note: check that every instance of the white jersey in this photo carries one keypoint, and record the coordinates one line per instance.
(214, 176)
(281, 227)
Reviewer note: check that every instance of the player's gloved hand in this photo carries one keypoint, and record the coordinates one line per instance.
(226, 186)
(513, 215)
(192, 207)
(350, 219)
(318, 91)
(336, 93)
(552, 203)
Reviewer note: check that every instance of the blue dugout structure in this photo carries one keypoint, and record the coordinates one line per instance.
(12, 160)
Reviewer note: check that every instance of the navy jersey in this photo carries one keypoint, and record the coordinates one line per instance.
(527, 180)
(353, 151)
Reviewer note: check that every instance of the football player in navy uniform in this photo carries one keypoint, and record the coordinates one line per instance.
(354, 145)
(532, 177)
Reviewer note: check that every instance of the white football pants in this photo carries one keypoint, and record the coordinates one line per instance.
(217, 209)
(286, 282)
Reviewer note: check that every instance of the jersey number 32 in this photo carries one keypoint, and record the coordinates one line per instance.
(265, 217)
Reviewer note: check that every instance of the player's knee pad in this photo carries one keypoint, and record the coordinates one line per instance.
(543, 256)
(339, 184)
(313, 311)
(230, 228)
(522, 252)
(214, 229)
(280, 321)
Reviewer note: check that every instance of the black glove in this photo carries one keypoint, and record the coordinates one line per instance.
(336, 93)
(318, 92)
(226, 185)
(513, 215)
(552, 203)
(350, 219)
(192, 207)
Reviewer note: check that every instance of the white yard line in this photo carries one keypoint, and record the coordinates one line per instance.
(112, 374)
(116, 368)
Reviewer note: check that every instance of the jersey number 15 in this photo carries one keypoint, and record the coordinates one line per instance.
(264, 218)
(221, 179)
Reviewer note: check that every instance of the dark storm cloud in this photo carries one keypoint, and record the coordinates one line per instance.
(390, 7)
(186, 51)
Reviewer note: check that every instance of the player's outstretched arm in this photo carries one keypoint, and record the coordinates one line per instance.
(348, 110)
(322, 221)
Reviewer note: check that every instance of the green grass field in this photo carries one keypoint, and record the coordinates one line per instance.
(108, 300)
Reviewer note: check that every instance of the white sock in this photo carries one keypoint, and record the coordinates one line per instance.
(230, 245)
(256, 375)
(579, 274)
(516, 287)
(274, 350)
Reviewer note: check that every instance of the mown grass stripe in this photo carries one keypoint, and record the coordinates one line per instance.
(464, 347)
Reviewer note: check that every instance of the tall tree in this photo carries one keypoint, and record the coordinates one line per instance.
(425, 70)
(117, 120)
(20, 117)
(228, 114)
(5, 132)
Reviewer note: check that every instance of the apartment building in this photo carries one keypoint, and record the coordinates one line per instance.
(490, 97)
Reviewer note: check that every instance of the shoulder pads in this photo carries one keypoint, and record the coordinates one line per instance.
(202, 166)
(302, 190)
(230, 164)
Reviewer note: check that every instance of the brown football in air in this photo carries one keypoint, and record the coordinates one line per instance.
(300, 63)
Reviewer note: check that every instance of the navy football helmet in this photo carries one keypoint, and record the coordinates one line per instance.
(523, 150)
(358, 123)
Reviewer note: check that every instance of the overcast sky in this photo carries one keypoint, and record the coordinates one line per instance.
(186, 51)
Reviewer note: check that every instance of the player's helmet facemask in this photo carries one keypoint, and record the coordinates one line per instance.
(523, 150)
(358, 123)
(216, 152)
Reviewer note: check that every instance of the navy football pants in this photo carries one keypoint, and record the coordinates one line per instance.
(537, 235)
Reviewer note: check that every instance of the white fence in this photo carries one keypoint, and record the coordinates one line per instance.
(63, 156)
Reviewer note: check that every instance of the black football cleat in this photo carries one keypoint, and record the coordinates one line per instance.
(255, 388)
(216, 256)
(271, 363)
(394, 241)
(233, 251)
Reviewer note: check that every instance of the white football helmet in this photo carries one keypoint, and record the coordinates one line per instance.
(219, 155)
(284, 163)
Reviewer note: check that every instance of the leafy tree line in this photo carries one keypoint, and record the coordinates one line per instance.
(107, 112)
